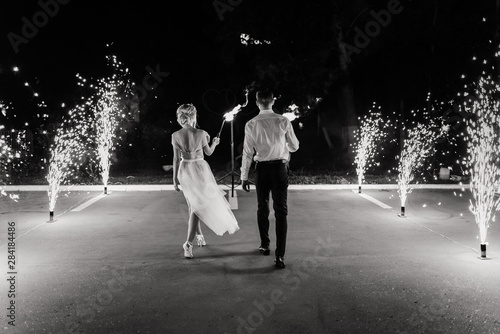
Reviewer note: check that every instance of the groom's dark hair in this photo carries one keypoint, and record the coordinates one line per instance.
(265, 97)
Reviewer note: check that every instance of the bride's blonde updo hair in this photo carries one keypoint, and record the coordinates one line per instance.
(186, 114)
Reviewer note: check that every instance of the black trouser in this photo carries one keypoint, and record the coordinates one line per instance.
(272, 177)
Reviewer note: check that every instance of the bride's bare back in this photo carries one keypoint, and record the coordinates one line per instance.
(190, 142)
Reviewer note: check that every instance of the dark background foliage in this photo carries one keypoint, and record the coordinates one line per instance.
(423, 49)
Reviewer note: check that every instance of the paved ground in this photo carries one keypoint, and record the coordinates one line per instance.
(117, 266)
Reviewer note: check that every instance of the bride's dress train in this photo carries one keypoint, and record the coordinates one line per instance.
(205, 198)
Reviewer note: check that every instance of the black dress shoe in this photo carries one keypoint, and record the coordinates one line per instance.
(264, 250)
(280, 263)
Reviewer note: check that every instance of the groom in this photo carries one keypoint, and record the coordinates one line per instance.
(272, 137)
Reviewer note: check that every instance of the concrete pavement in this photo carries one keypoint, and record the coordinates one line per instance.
(352, 267)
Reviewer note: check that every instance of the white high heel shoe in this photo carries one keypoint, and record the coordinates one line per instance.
(200, 240)
(188, 250)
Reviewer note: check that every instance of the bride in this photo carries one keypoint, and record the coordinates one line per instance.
(205, 200)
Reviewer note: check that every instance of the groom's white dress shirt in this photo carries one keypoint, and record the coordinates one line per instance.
(271, 136)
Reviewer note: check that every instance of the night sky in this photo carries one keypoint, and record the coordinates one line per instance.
(140, 34)
(425, 47)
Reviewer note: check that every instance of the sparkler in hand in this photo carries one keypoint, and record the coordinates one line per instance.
(229, 116)
(293, 112)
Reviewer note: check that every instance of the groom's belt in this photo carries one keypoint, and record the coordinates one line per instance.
(269, 162)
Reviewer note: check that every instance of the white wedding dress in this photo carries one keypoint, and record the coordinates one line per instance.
(198, 184)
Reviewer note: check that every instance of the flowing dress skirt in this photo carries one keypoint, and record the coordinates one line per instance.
(204, 197)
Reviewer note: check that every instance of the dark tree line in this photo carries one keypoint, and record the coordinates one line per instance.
(335, 56)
